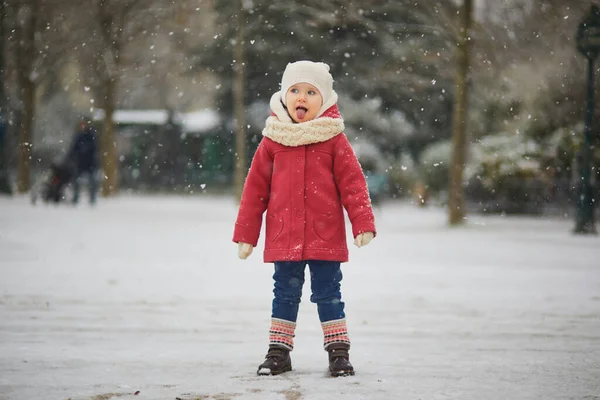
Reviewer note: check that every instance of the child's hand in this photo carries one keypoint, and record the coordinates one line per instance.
(244, 250)
(363, 239)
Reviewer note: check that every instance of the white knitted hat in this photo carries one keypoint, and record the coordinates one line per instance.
(315, 73)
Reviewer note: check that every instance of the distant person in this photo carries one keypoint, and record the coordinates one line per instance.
(303, 174)
(83, 156)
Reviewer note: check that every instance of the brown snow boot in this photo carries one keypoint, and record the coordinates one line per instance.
(277, 361)
(339, 360)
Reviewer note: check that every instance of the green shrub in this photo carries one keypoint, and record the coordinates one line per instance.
(434, 166)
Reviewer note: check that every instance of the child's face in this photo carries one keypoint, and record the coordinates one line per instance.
(303, 102)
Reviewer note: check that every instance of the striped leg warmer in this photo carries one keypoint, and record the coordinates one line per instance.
(335, 332)
(282, 333)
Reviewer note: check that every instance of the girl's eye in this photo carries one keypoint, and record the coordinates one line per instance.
(311, 92)
(294, 90)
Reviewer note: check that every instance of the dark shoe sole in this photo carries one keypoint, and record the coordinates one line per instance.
(267, 371)
(341, 373)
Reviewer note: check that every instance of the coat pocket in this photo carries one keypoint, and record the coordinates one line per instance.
(274, 227)
(325, 226)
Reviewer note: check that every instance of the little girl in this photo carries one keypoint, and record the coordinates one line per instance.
(304, 173)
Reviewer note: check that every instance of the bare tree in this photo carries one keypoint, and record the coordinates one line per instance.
(111, 18)
(456, 207)
(35, 54)
(238, 103)
(4, 183)
(106, 29)
(27, 20)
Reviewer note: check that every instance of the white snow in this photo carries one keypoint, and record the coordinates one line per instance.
(156, 117)
(191, 122)
(147, 294)
(199, 121)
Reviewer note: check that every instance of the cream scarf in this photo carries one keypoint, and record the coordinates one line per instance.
(281, 129)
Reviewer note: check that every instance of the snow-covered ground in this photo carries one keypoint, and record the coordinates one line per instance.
(147, 294)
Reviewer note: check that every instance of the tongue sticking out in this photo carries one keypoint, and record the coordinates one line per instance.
(300, 113)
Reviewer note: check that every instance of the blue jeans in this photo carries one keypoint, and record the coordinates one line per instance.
(92, 185)
(325, 279)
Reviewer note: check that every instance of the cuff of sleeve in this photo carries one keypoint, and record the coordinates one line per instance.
(245, 234)
(365, 223)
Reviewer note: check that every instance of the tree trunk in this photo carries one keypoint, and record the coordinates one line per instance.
(25, 136)
(26, 57)
(108, 142)
(239, 108)
(456, 207)
(4, 183)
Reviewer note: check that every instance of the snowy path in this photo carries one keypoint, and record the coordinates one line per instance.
(147, 294)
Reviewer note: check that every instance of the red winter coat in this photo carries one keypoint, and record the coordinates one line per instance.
(303, 188)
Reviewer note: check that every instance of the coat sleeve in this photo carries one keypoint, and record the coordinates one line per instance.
(255, 197)
(352, 186)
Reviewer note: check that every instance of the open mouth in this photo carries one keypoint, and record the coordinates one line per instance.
(301, 112)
